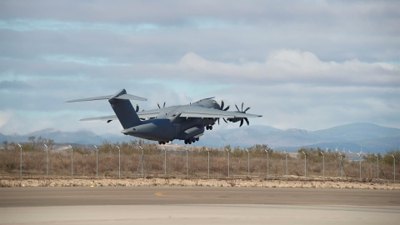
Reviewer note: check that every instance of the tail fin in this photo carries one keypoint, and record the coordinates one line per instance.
(122, 107)
(124, 110)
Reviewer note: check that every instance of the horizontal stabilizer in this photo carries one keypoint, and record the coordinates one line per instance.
(107, 97)
(91, 99)
(106, 118)
(131, 97)
(122, 107)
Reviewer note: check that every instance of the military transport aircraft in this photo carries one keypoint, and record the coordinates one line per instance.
(182, 122)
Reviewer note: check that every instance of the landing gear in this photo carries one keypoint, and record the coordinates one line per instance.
(209, 127)
(162, 142)
(190, 141)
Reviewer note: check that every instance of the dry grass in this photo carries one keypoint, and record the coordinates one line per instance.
(34, 164)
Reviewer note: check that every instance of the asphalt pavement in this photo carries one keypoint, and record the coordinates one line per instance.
(198, 205)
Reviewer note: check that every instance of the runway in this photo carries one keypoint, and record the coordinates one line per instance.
(199, 205)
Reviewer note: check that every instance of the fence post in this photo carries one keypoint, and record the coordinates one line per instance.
(208, 163)
(394, 169)
(248, 163)
(165, 162)
(228, 161)
(20, 161)
(323, 166)
(97, 161)
(72, 161)
(47, 161)
(377, 167)
(359, 155)
(286, 165)
(267, 163)
(141, 159)
(305, 165)
(119, 162)
(187, 163)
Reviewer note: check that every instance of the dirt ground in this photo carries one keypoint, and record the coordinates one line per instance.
(242, 183)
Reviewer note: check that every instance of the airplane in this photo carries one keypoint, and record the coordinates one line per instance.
(165, 124)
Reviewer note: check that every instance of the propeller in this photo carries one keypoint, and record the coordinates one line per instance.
(222, 108)
(160, 106)
(234, 120)
(242, 108)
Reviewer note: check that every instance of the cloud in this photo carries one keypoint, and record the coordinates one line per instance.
(290, 88)
(14, 84)
(226, 30)
(169, 13)
(312, 65)
(291, 66)
(23, 25)
(94, 61)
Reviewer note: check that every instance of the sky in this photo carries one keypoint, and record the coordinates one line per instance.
(301, 64)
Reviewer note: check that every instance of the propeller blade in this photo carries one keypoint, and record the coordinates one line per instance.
(247, 121)
(137, 108)
(237, 107)
(242, 106)
(247, 109)
(222, 104)
(158, 105)
(218, 121)
(227, 108)
(225, 120)
(164, 105)
(241, 122)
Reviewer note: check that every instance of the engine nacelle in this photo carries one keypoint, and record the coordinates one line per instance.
(234, 120)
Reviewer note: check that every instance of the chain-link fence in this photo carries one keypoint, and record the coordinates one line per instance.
(153, 161)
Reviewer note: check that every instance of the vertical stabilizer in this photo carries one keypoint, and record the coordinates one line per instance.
(124, 110)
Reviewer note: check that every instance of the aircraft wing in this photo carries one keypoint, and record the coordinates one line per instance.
(200, 112)
(188, 112)
(144, 115)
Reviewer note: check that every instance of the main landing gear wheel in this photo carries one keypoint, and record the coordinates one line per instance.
(190, 141)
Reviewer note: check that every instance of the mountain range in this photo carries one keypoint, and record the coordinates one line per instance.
(370, 137)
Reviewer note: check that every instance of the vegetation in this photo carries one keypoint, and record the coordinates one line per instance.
(337, 165)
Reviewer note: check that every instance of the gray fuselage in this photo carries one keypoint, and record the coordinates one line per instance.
(168, 125)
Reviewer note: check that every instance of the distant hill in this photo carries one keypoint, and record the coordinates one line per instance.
(78, 137)
(357, 131)
(371, 137)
